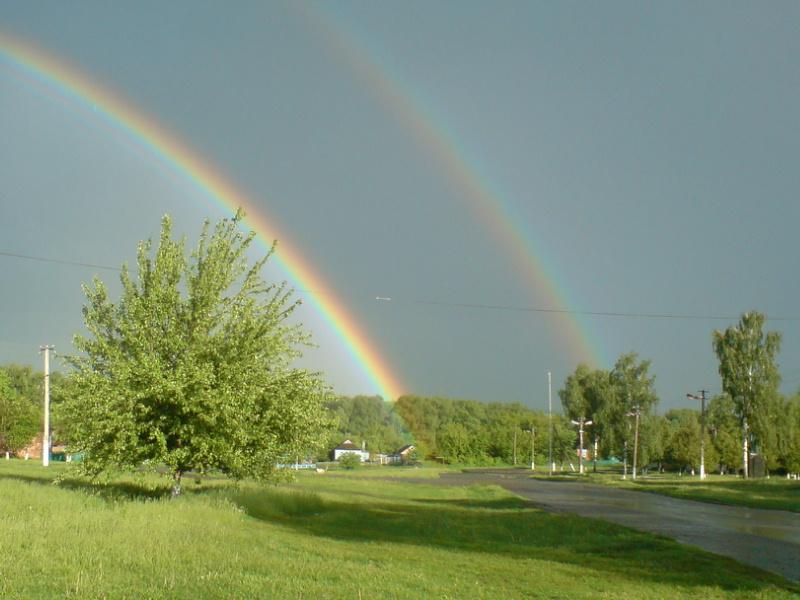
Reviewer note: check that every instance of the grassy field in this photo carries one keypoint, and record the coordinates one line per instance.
(337, 535)
(776, 493)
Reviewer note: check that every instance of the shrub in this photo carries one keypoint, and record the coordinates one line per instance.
(350, 460)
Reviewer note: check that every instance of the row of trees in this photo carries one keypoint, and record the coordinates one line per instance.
(483, 433)
(609, 399)
(750, 407)
(463, 431)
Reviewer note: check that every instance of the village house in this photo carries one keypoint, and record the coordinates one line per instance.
(348, 447)
(403, 455)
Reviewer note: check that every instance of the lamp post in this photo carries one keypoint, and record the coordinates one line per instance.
(581, 423)
(531, 431)
(550, 423)
(702, 398)
(635, 413)
(515, 446)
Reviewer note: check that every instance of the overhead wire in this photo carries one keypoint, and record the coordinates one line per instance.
(467, 305)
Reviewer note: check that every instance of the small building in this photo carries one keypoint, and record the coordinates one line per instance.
(403, 455)
(379, 458)
(348, 447)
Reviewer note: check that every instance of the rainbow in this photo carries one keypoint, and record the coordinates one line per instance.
(54, 75)
(493, 210)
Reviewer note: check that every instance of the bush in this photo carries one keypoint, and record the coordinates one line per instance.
(350, 461)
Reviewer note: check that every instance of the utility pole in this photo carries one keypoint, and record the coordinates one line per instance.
(46, 437)
(550, 421)
(635, 413)
(702, 398)
(581, 424)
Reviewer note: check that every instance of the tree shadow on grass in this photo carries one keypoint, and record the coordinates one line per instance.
(115, 491)
(485, 526)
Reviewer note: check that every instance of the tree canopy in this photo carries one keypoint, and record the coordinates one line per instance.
(19, 416)
(192, 367)
(749, 372)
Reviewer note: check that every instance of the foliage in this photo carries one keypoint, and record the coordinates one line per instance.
(589, 394)
(634, 390)
(749, 376)
(482, 433)
(724, 428)
(350, 460)
(787, 432)
(368, 418)
(19, 418)
(191, 367)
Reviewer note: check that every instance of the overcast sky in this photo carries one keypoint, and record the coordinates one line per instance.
(647, 150)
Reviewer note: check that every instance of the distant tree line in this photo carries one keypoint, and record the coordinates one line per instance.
(21, 404)
(749, 417)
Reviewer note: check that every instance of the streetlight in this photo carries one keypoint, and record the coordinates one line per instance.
(635, 413)
(581, 423)
(531, 431)
(702, 398)
(550, 423)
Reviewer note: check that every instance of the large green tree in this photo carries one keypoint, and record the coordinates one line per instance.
(749, 372)
(192, 367)
(634, 392)
(589, 394)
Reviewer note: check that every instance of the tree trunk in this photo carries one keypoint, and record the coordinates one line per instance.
(594, 457)
(745, 456)
(176, 483)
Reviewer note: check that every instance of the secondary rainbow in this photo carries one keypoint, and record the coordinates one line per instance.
(489, 205)
(54, 75)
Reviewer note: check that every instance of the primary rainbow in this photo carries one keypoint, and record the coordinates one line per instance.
(493, 209)
(56, 76)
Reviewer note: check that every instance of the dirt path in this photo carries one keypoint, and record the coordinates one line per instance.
(768, 539)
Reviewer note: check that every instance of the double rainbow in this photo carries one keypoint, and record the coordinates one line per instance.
(493, 209)
(57, 77)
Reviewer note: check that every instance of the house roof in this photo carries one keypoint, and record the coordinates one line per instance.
(405, 449)
(347, 445)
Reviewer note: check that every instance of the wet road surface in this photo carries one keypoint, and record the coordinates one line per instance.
(768, 539)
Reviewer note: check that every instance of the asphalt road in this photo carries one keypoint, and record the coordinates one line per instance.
(768, 539)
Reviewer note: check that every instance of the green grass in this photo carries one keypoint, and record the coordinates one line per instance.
(776, 493)
(331, 536)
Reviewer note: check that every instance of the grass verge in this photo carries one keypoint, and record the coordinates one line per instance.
(775, 493)
(329, 536)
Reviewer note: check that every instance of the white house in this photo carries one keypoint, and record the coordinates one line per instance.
(348, 447)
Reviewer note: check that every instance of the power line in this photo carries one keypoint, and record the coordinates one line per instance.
(590, 313)
(59, 261)
(495, 307)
